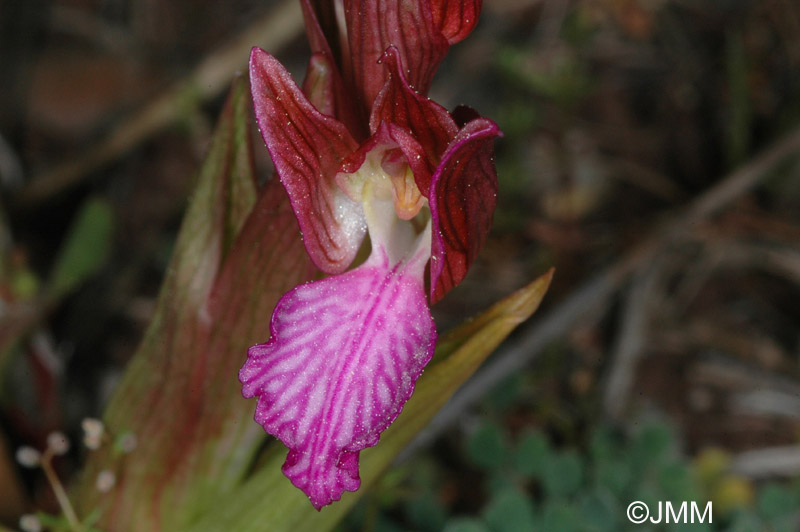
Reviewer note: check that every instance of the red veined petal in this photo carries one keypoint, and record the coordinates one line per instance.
(462, 201)
(327, 42)
(307, 148)
(426, 120)
(322, 29)
(374, 25)
(318, 84)
(456, 18)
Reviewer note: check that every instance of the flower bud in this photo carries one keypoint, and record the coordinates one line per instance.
(58, 443)
(93, 430)
(105, 481)
(30, 523)
(28, 457)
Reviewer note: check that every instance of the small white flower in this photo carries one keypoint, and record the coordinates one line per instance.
(58, 443)
(28, 456)
(30, 523)
(105, 481)
(93, 430)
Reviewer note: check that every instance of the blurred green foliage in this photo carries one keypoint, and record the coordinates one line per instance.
(529, 482)
(86, 249)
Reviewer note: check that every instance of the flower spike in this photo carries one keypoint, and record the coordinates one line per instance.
(362, 149)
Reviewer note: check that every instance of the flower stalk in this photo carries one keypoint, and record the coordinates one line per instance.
(59, 491)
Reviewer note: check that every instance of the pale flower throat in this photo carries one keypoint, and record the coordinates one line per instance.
(394, 208)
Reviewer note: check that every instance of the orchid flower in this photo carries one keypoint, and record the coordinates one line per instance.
(361, 150)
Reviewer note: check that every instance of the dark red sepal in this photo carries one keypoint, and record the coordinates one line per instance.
(462, 201)
(307, 148)
(426, 120)
(374, 25)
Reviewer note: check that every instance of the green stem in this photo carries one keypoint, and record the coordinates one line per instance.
(60, 492)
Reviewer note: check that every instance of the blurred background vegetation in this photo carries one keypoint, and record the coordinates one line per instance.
(664, 364)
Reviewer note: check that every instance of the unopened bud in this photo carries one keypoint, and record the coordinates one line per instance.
(28, 456)
(58, 443)
(105, 481)
(93, 430)
(30, 523)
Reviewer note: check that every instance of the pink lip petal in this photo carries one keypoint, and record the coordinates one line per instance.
(374, 25)
(456, 18)
(307, 148)
(462, 201)
(343, 358)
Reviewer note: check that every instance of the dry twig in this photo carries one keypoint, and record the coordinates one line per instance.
(631, 340)
(768, 463)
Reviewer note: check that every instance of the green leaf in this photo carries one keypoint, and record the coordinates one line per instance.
(86, 249)
(775, 501)
(499, 480)
(652, 445)
(53, 522)
(421, 472)
(599, 512)
(487, 447)
(268, 501)
(237, 252)
(603, 444)
(688, 526)
(24, 284)
(558, 515)
(532, 452)
(466, 524)
(745, 521)
(562, 474)
(614, 475)
(677, 483)
(510, 511)
(426, 513)
(385, 524)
